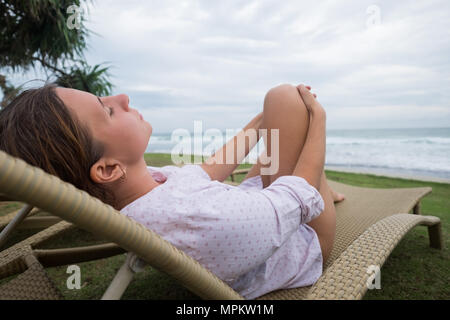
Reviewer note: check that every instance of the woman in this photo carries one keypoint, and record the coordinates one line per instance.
(272, 231)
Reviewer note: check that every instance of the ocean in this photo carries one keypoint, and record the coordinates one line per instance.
(418, 153)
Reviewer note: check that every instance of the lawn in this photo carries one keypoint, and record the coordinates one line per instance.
(413, 270)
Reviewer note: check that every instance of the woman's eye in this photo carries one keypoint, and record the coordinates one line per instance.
(111, 111)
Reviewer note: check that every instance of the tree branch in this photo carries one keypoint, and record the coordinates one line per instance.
(49, 66)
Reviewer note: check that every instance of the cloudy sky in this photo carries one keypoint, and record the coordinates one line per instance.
(373, 64)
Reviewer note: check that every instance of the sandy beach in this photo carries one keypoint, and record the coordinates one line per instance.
(387, 173)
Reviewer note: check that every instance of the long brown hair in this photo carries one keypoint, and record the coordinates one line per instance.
(39, 128)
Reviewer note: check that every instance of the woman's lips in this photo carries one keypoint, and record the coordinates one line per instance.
(139, 114)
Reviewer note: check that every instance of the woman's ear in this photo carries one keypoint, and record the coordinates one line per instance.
(106, 171)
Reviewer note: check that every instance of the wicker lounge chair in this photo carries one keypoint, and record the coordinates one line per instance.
(370, 223)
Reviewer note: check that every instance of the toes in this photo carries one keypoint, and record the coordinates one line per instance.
(337, 197)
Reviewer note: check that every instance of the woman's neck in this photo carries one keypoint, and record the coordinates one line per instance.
(137, 183)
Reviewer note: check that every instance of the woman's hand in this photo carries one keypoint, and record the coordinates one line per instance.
(309, 88)
(311, 103)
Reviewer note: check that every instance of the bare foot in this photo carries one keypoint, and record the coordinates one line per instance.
(337, 197)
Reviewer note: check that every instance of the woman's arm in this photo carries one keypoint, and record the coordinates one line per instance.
(312, 159)
(225, 160)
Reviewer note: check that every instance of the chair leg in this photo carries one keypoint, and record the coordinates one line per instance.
(435, 236)
(434, 231)
(18, 218)
(416, 209)
(124, 277)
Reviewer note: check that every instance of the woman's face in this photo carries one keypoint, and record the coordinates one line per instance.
(121, 129)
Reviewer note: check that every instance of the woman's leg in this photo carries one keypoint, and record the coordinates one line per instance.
(284, 110)
(325, 223)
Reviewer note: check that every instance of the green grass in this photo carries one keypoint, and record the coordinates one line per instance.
(413, 270)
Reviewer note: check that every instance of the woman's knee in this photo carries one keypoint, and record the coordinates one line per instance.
(284, 98)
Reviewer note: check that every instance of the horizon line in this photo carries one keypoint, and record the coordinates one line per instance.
(345, 129)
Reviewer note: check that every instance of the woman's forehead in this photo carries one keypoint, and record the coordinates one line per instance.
(77, 99)
(85, 105)
(73, 94)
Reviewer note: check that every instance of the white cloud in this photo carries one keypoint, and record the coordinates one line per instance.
(192, 58)
(236, 42)
(391, 116)
(248, 11)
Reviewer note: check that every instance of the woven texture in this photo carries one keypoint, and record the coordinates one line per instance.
(363, 207)
(33, 284)
(347, 277)
(11, 258)
(361, 210)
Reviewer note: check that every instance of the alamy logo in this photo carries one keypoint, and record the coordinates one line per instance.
(235, 146)
(374, 18)
(73, 281)
(74, 19)
(374, 280)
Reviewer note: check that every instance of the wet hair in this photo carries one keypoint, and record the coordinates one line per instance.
(38, 128)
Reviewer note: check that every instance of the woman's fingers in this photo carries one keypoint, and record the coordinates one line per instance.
(310, 101)
(307, 97)
(309, 89)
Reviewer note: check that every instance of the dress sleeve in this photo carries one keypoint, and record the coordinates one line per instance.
(295, 194)
(237, 230)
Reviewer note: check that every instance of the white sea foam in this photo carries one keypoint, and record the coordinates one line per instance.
(424, 152)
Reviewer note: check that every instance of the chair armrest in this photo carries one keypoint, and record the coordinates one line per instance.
(36, 187)
(347, 277)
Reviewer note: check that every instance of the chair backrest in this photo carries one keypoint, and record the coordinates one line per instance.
(23, 182)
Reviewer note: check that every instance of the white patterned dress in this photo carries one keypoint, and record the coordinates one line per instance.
(254, 239)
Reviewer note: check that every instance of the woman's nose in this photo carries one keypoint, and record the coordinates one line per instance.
(123, 101)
